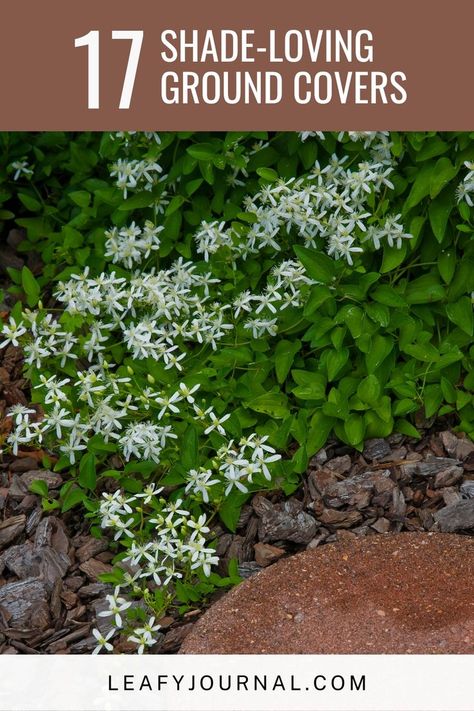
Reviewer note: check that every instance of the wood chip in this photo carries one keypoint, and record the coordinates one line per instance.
(265, 554)
(27, 604)
(93, 568)
(91, 548)
(457, 517)
(11, 529)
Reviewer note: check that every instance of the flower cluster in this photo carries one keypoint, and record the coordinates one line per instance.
(133, 174)
(171, 547)
(328, 208)
(235, 465)
(131, 245)
(143, 636)
(465, 190)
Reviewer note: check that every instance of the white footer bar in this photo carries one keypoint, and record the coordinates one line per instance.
(237, 683)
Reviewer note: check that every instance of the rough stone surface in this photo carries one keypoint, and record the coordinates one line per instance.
(456, 517)
(396, 593)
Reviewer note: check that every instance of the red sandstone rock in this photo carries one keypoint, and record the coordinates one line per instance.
(404, 593)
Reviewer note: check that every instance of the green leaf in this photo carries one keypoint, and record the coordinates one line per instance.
(389, 296)
(190, 448)
(433, 397)
(425, 290)
(267, 174)
(87, 471)
(392, 257)
(353, 317)
(317, 264)
(354, 428)
(444, 171)
(439, 212)
(421, 186)
(299, 460)
(192, 186)
(335, 362)
(448, 390)
(379, 313)
(39, 487)
(426, 352)
(174, 205)
(137, 201)
(145, 467)
(80, 197)
(318, 295)
(30, 286)
(460, 313)
(229, 511)
(285, 352)
(30, 202)
(318, 432)
(447, 265)
(376, 426)
(310, 386)
(97, 445)
(174, 477)
(202, 151)
(72, 498)
(274, 404)
(72, 238)
(463, 280)
(432, 147)
(406, 428)
(369, 390)
(404, 406)
(381, 347)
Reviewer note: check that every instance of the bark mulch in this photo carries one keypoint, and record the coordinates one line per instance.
(50, 565)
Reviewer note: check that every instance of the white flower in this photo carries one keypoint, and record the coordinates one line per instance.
(142, 640)
(173, 507)
(148, 629)
(59, 418)
(103, 642)
(21, 167)
(199, 527)
(148, 492)
(122, 527)
(19, 413)
(11, 333)
(188, 392)
(199, 482)
(233, 475)
(216, 423)
(117, 605)
(168, 403)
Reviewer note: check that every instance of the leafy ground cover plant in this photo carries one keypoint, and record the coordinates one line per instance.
(229, 303)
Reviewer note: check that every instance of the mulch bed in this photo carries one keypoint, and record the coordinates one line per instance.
(50, 591)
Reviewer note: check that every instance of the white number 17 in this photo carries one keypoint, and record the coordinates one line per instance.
(91, 41)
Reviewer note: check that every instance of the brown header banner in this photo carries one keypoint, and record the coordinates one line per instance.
(246, 65)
